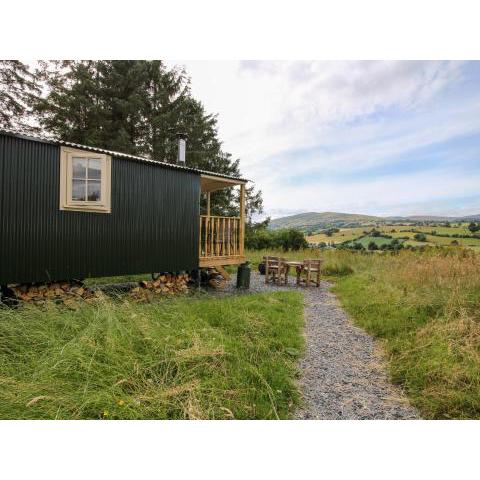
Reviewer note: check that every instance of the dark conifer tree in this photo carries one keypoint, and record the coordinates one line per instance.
(137, 107)
(18, 89)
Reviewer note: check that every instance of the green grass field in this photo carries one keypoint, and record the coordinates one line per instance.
(210, 358)
(466, 242)
(365, 241)
(463, 230)
(236, 357)
(425, 309)
(349, 235)
(415, 243)
(344, 235)
(401, 234)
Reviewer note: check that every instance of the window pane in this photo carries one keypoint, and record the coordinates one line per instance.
(94, 191)
(94, 168)
(78, 190)
(79, 167)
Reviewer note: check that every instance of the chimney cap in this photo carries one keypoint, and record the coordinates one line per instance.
(181, 135)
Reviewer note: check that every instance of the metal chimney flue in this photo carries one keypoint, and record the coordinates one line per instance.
(182, 146)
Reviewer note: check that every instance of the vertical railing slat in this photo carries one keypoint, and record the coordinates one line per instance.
(200, 239)
(223, 236)
(238, 236)
(234, 237)
(206, 236)
(210, 254)
(228, 236)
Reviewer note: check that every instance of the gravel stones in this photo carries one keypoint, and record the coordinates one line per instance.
(343, 374)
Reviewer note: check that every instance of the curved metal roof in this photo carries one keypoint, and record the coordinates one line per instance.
(127, 156)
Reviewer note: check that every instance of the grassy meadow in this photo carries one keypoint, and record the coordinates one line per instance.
(181, 358)
(365, 241)
(209, 357)
(425, 309)
(344, 235)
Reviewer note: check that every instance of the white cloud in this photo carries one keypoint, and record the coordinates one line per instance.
(386, 195)
(340, 114)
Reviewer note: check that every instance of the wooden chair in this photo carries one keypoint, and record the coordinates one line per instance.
(310, 267)
(275, 270)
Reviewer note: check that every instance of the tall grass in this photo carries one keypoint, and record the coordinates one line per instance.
(426, 308)
(182, 358)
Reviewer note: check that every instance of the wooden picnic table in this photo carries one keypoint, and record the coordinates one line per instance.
(298, 265)
(294, 263)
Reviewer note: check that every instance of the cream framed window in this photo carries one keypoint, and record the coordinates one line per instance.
(85, 181)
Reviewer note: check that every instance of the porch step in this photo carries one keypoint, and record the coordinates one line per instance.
(217, 277)
(222, 272)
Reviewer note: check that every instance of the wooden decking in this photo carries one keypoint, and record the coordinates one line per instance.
(215, 261)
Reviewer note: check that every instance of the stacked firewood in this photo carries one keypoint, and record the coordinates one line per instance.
(65, 292)
(166, 284)
(72, 294)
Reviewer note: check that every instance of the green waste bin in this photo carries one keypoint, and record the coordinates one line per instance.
(243, 276)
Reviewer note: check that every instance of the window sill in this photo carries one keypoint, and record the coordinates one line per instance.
(86, 208)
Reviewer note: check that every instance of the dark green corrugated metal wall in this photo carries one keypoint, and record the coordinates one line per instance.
(153, 225)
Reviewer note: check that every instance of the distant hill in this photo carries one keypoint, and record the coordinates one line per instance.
(314, 220)
(429, 218)
(320, 220)
(469, 218)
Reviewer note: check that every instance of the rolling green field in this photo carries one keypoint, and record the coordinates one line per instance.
(349, 235)
(463, 230)
(415, 243)
(401, 234)
(365, 241)
(183, 358)
(474, 242)
(344, 235)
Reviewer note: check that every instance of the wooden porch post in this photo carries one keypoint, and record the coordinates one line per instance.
(208, 229)
(242, 219)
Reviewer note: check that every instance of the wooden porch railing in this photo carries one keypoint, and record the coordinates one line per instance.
(220, 237)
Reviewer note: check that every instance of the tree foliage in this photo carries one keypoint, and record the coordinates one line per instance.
(330, 231)
(420, 237)
(259, 237)
(137, 107)
(473, 227)
(19, 88)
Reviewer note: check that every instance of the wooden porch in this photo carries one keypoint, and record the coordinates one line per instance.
(221, 239)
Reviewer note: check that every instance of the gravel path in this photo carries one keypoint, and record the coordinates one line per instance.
(343, 373)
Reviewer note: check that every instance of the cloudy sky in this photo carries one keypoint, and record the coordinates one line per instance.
(384, 138)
